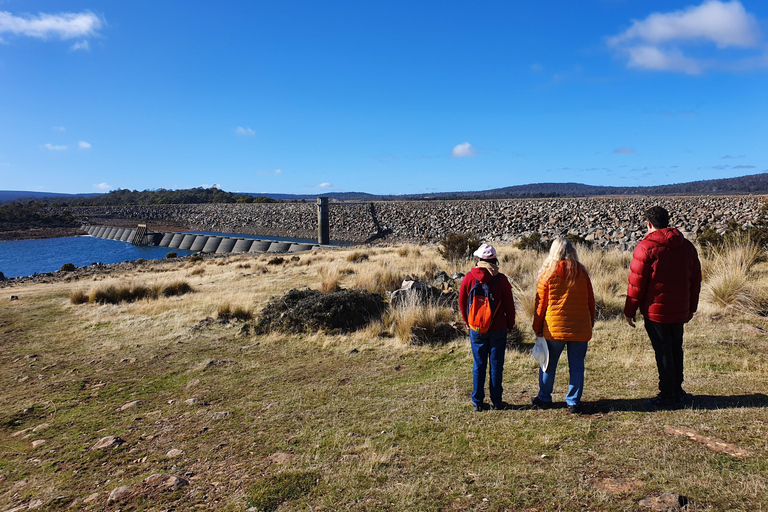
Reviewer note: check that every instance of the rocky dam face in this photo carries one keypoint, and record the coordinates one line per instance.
(608, 222)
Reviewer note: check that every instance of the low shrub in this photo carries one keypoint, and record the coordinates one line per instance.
(170, 255)
(68, 267)
(577, 240)
(277, 260)
(533, 242)
(227, 312)
(196, 257)
(173, 289)
(197, 272)
(312, 310)
(456, 247)
(268, 494)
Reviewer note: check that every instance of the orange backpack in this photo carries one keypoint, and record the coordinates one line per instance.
(482, 307)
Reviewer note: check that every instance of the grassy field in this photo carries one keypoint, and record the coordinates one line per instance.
(365, 420)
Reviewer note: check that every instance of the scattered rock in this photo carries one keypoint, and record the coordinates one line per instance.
(714, 444)
(174, 453)
(129, 405)
(166, 482)
(220, 415)
(191, 401)
(38, 442)
(615, 485)
(14, 297)
(35, 504)
(107, 442)
(666, 502)
(192, 383)
(281, 457)
(124, 493)
(91, 498)
(40, 427)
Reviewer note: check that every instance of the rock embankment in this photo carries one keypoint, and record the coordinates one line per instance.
(609, 222)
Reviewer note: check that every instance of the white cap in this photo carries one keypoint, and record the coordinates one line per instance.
(485, 252)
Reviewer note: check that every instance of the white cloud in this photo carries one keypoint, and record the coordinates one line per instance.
(102, 186)
(247, 132)
(59, 129)
(463, 150)
(84, 145)
(51, 147)
(82, 45)
(66, 25)
(278, 171)
(658, 41)
(623, 151)
(324, 185)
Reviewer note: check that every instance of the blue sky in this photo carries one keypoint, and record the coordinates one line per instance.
(382, 97)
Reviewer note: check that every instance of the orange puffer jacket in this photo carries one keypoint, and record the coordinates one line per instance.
(565, 313)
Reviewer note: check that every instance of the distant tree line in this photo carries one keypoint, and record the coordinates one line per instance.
(18, 215)
(197, 195)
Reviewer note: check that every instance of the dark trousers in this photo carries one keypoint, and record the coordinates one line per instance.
(667, 342)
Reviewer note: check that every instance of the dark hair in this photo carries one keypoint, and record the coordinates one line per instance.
(658, 217)
(495, 261)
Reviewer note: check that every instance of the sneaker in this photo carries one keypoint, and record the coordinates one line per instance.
(478, 407)
(498, 407)
(686, 399)
(574, 409)
(540, 404)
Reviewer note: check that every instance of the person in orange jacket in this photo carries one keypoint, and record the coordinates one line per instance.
(564, 315)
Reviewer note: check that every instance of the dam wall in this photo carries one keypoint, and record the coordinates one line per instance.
(606, 221)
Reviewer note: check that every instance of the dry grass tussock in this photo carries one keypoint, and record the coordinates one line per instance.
(129, 292)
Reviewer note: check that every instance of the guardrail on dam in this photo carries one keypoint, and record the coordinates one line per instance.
(192, 242)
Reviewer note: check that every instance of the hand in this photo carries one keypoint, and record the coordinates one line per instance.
(539, 334)
(630, 321)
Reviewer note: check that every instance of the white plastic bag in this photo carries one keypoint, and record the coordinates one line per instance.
(540, 352)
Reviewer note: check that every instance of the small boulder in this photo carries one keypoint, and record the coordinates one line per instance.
(124, 493)
(165, 482)
(107, 442)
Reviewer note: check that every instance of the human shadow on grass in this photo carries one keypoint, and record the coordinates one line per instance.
(700, 402)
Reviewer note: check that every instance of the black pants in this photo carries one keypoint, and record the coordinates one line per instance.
(667, 342)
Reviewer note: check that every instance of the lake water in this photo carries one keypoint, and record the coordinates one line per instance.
(27, 257)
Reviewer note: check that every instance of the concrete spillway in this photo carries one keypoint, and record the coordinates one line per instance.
(197, 243)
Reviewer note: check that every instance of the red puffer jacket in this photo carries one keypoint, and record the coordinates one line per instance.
(501, 290)
(664, 278)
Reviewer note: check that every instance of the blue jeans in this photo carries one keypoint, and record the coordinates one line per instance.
(577, 351)
(490, 345)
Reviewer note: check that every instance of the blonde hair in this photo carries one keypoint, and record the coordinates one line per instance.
(560, 250)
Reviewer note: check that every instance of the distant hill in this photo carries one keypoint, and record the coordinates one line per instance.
(751, 184)
(13, 195)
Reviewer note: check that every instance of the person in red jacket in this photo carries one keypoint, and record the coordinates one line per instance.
(664, 283)
(492, 344)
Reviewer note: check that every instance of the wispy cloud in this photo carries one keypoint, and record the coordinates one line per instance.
(63, 26)
(245, 132)
(324, 185)
(84, 145)
(623, 151)
(102, 186)
(276, 171)
(743, 167)
(463, 150)
(537, 68)
(81, 45)
(59, 129)
(51, 147)
(659, 42)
